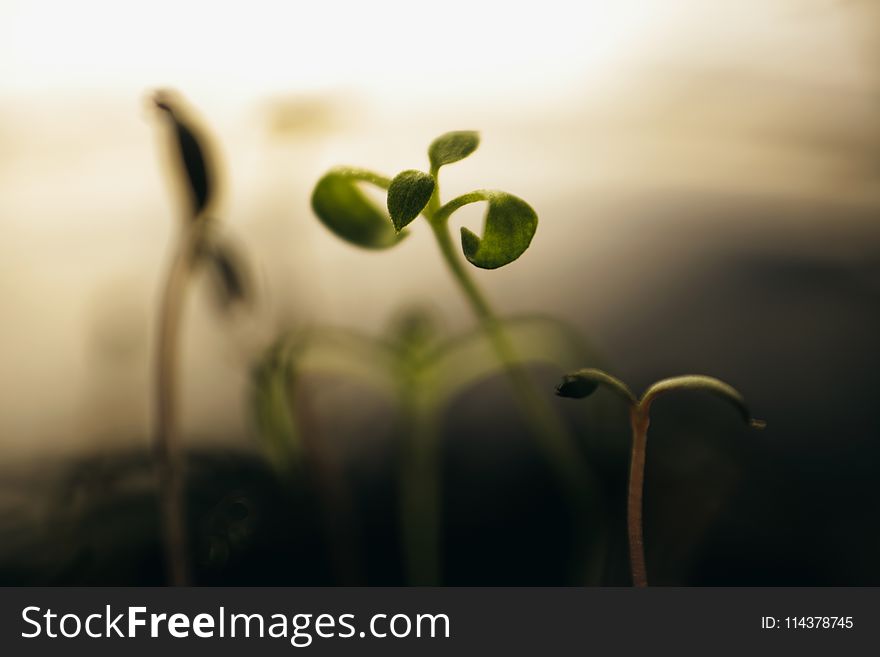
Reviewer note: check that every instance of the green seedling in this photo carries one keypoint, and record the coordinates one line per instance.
(585, 382)
(197, 242)
(509, 225)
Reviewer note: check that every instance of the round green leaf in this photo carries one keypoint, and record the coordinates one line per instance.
(452, 147)
(408, 195)
(510, 224)
(346, 210)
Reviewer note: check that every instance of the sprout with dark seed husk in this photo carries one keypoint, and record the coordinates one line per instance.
(585, 382)
(198, 241)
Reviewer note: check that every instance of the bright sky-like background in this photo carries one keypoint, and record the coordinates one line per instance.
(579, 103)
(242, 49)
(239, 49)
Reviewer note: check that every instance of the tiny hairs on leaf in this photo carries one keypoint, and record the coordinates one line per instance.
(452, 147)
(510, 225)
(408, 195)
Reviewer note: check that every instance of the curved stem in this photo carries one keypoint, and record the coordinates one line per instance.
(433, 202)
(639, 420)
(443, 213)
(544, 422)
(365, 175)
(166, 442)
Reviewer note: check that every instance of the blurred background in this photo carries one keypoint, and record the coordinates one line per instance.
(707, 177)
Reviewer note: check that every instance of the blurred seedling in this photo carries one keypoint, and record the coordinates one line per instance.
(197, 242)
(420, 369)
(585, 382)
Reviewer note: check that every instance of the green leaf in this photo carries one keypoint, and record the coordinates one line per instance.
(452, 147)
(510, 224)
(408, 195)
(346, 210)
(707, 383)
(584, 383)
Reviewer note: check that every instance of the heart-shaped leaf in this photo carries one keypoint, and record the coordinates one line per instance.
(345, 209)
(510, 224)
(452, 147)
(408, 195)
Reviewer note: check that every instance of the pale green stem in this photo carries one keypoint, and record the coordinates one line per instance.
(365, 175)
(542, 419)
